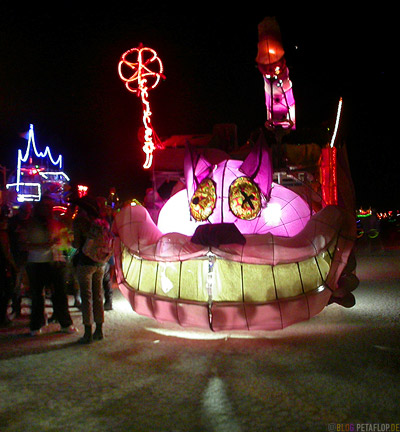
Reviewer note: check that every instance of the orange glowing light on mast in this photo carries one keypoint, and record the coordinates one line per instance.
(141, 69)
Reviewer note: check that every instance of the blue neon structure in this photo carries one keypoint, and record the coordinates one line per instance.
(34, 188)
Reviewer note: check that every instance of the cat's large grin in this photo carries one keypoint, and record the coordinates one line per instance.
(267, 283)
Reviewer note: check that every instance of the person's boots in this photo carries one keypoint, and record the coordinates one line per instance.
(77, 301)
(98, 333)
(16, 306)
(87, 337)
(108, 305)
(108, 295)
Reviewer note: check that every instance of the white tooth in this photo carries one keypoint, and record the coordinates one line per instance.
(131, 268)
(193, 280)
(147, 280)
(323, 261)
(310, 274)
(258, 282)
(168, 279)
(227, 281)
(287, 280)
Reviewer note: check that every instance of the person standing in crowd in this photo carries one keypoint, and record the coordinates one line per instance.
(89, 273)
(41, 239)
(6, 283)
(107, 284)
(17, 227)
(113, 199)
(60, 252)
(7, 267)
(107, 213)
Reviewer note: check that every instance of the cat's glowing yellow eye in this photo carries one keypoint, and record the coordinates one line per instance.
(244, 198)
(203, 200)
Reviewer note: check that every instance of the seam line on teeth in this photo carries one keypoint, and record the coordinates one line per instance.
(301, 279)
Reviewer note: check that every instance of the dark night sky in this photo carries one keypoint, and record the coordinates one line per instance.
(58, 70)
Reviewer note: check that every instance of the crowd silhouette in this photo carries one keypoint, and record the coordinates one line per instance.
(42, 259)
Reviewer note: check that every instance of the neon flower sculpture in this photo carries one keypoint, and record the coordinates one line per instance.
(236, 250)
(141, 69)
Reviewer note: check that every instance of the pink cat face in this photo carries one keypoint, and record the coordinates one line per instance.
(234, 191)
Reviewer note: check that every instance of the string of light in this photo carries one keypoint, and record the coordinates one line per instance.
(339, 110)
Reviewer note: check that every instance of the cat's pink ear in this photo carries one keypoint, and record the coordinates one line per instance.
(258, 166)
(196, 168)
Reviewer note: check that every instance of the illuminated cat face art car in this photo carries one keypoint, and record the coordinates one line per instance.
(235, 251)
